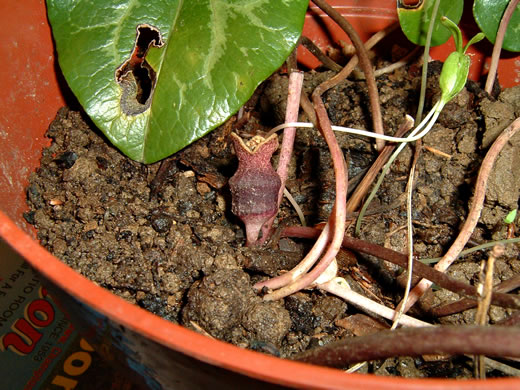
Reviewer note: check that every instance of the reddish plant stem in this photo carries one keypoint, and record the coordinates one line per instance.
(453, 340)
(309, 260)
(337, 219)
(467, 303)
(289, 133)
(305, 265)
(307, 107)
(499, 40)
(400, 259)
(365, 63)
(474, 212)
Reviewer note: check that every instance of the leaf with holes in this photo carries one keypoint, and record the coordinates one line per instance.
(155, 76)
(488, 14)
(415, 16)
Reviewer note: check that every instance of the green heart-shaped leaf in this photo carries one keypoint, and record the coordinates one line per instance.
(215, 53)
(415, 16)
(488, 14)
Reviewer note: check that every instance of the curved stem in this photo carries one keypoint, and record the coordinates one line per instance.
(302, 267)
(337, 219)
(426, 57)
(501, 33)
(474, 212)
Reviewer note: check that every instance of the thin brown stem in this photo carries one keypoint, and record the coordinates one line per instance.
(452, 340)
(307, 107)
(501, 33)
(316, 52)
(337, 219)
(467, 303)
(400, 259)
(365, 63)
(474, 212)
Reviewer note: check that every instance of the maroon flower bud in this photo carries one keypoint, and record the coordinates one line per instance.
(255, 184)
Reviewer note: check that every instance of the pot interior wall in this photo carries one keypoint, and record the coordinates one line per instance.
(30, 98)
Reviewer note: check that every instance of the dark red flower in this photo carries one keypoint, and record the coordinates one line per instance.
(255, 184)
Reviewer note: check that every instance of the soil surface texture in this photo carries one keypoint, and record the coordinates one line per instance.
(162, 236)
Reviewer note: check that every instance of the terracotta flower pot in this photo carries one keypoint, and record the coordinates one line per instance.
(151, 348)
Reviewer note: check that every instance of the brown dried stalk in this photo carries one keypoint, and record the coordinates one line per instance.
(452, 340)
(486, 281)
(362, 188)
(474, 212)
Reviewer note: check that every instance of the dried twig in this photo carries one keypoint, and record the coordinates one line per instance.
(368, 179)
(485, 300)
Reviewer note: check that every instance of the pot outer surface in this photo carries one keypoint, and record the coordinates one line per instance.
(148, 364)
